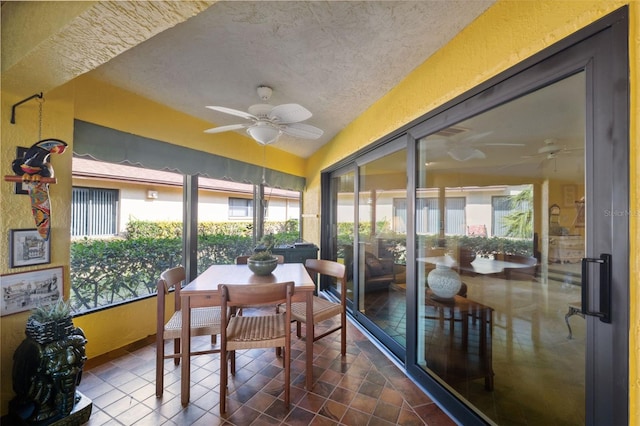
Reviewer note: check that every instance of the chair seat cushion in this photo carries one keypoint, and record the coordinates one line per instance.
(204, 321)
(322, 310)
(242, 331)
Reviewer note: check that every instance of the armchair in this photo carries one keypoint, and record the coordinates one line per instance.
(378, 272)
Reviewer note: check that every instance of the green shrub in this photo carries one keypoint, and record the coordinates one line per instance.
(106, 272)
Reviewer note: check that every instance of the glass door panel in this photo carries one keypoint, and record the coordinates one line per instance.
(499, 237)
(381, 256)
(343, 225)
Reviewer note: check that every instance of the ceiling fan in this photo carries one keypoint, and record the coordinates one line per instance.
(550, 150)
(267, 122)
(448, 142)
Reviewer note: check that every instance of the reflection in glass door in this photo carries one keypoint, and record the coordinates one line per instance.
(381, 243)
(499, 219)
(343, 223)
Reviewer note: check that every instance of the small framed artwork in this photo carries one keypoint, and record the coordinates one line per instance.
(568, 195)
(20, 152)
(578, 222)
(27, 247)
(27, 290)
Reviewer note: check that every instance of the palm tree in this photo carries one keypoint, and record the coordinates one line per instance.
(520, 221)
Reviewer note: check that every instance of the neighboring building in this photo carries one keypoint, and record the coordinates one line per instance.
(106, 196)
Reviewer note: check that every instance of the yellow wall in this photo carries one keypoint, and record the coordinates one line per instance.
(507, 33)
(16, 209)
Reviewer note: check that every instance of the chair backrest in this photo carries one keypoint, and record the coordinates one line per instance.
(332, 269)
(242, 260)
(436, 252)
(171, 278)
(243, 295)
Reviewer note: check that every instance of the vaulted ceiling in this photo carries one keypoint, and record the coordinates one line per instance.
(336, 58)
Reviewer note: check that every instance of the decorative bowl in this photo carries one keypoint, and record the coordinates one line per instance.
(465, 256)
(262, 267)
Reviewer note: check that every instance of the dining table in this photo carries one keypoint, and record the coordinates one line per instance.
(480, 265)
(203, 291)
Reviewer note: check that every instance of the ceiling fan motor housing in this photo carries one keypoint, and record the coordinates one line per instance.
(549, 147)
(260, 110)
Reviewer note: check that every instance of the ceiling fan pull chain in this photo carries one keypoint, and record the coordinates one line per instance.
(264, 163)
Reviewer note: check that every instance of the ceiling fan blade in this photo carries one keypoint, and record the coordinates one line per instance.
(300, 130)
(227, 128)
(572, 148)
(502, 144)
(289, 113)
(516, 164)
(476, 136)
(233, 112)
(533, 156)
(435, 143)
(465, 153)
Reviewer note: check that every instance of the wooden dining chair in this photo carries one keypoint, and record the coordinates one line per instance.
(204, 321)
(324, 309)
(242, 260)
(250, 332)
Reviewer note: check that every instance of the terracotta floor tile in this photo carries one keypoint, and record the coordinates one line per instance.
(364, 387)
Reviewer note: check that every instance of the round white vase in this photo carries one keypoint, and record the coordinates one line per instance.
(444, 282)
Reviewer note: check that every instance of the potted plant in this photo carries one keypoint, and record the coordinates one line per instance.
(262, 261)
(50, 322)
(266, 243)
(48, 366)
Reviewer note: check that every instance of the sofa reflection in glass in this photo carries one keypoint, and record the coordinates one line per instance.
(379, 272)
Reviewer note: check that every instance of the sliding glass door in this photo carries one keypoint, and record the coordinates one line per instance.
(500, 234)
(381, 241)
(368, 212)
(489, 246)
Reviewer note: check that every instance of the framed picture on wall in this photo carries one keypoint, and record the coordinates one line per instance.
(578, 222)
(27, 247)
(19, 188)
(27, 290)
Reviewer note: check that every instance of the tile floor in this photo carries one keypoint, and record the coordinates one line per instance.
(364, 388)
(539, 372)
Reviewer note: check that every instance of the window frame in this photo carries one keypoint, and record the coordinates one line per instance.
(248, 207)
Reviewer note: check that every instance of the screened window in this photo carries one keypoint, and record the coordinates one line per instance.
(94, 212)
(428, 215)
(240, 207)
(400, 215)
(455, 218)
(501, 207)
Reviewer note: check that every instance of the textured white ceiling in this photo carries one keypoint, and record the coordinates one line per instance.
(335, 58)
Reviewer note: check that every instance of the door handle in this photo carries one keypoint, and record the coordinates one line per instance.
(604, 261)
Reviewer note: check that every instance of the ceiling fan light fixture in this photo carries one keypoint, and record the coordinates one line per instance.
(264, 133)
